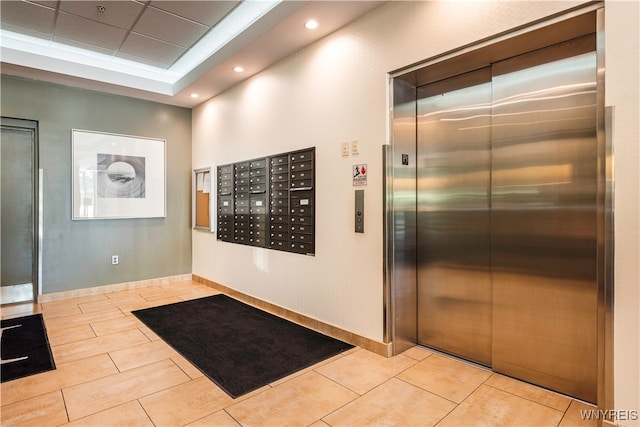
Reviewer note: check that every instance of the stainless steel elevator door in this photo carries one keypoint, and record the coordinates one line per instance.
(544, 243)
(453, 236)
(507, 175)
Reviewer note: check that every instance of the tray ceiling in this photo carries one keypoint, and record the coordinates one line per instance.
(160, 50)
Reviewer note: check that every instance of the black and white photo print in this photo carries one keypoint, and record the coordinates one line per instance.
(120, 176)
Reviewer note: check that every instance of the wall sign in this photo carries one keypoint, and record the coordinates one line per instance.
(360, 174)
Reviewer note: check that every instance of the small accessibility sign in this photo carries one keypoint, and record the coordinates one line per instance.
(360, 174)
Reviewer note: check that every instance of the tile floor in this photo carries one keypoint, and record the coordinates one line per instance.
(113, 371)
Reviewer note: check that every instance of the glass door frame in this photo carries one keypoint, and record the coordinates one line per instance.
(37, 213)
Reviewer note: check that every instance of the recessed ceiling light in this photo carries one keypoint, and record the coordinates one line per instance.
(194, 95)
(238, 69)
(311, 24)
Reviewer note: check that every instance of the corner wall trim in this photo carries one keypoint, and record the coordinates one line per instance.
(105, 289)
(383, 349)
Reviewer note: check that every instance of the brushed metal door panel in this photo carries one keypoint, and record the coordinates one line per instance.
(453, 260)
(403, 218)
(544, 243)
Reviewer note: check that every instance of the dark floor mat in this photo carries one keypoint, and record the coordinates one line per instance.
(237, 346)
(25, 347)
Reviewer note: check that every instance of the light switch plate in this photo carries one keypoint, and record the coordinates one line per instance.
(345, 149)
(354, 147)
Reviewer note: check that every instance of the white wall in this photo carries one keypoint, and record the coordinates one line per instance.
(335, 91)
(622, 74)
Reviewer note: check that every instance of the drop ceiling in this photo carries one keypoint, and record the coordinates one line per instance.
(160, 50)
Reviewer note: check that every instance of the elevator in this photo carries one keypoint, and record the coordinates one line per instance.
(497, 221)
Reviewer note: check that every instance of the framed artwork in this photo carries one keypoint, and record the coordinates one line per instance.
(117, 176)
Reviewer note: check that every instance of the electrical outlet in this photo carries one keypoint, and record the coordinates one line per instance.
(115, 260)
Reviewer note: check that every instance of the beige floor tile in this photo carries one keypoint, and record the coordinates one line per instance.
(187, 366)
(219, 419)
(121, 294)
(152, 336)
(41, 411)
(129, 307)
(66, 353)
(96, 396)
(351, 350)
(157, 292)
(68, 335)
(301, 401)
(574, 418)
(363, 370)
(188, 296)
(18, 310)
(116, 325)
(152, 290)
(417, 353)
(394, 403)
(305, 370)
(160, 293)
(60, 311)
(182, 292)
(108, 362)
(528, 391)
(142, 354)
(66, 322)
(446, 377)
(73, 301)
(109, 303)
(70, 305)
(64, 376)
(185, 403)
(124, 296)
(205, 288)
(489, 406)
(126, 415)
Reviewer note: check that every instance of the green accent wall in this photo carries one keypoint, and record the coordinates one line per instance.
(77, 254)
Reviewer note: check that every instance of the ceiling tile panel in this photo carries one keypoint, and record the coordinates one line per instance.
(168, 27)
(150, 51)
(164, 31)
(33, 19)
(207, 13)
(81, 45)
(49, 3)
(72, 27)
(121, 14)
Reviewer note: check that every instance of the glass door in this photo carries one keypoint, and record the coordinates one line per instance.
(18, 201)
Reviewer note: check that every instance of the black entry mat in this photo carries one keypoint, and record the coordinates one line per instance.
(25, 348)
(237, 346)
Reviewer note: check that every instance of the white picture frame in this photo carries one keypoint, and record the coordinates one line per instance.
(117, 176)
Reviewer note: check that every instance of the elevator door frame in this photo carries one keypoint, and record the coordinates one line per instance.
(400, 208)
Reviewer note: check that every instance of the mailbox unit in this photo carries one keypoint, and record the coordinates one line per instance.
(269, 202)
